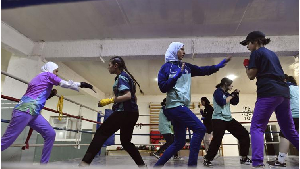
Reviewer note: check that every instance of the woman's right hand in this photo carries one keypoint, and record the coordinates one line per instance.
(223, 62)
(228, 99)
(179, 72)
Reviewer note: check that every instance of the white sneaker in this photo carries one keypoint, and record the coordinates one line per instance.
(177, 158)
(217, 156)
(156, 155)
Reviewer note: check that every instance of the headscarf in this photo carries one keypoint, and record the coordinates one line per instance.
(171, 53)
(49, 67)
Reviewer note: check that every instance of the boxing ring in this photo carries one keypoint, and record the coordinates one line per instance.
(118, 157)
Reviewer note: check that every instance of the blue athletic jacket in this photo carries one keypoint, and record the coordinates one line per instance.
(179, 91)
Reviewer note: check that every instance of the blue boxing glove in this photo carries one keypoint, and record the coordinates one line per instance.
(202, 118)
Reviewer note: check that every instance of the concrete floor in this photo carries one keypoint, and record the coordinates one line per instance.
(125, 162)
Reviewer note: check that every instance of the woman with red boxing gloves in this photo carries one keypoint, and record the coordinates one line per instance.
(272, 95)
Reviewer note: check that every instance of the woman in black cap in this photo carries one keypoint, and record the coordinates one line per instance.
(272, 95)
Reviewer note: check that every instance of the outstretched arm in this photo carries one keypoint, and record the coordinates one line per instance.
(207, 70)
(55, 80)
(75, 85)
(69, 85)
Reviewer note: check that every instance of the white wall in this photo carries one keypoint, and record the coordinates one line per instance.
(5, 57)
(23, 68)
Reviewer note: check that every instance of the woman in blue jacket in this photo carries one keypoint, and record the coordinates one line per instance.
(166, 129)
(174, 78)
(222, 120)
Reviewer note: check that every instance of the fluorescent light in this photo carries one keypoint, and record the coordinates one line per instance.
(231, 76)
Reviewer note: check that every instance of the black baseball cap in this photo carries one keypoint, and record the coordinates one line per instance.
(253, 36)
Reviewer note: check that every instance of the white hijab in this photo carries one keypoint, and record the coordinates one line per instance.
(49, 67)
(171, 53)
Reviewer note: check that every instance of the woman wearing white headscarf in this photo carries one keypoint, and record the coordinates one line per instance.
(27, 111)
(174, 78)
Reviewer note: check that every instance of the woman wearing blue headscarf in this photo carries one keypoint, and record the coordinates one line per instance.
(174, 78)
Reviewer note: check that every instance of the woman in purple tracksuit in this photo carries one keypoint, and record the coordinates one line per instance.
(27, 112)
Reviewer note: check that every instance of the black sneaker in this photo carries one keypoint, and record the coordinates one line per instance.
(246, 161)
(276, 163)
(259, 166)
(155, 155)
(207, 163)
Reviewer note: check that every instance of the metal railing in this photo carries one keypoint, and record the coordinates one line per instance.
(24, 81)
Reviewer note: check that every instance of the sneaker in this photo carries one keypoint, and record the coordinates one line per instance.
(177, 158)
(143, 166)
(155, 155)
(217, 156)
(207, 163)
(259, 166)
(276, 163)
(246, 161)
(83, 164)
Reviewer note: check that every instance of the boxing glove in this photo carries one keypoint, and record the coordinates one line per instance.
(104, 102)
(86, 85)
(246, 63)
(53, 93)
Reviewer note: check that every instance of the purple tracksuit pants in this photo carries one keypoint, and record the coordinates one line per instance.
(264, 107)
(17, 124)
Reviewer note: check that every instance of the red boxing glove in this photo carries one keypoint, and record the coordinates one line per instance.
(246, 63)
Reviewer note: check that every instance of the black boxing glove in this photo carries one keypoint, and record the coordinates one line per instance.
(53, 93)
(235, 93)
(86, 85)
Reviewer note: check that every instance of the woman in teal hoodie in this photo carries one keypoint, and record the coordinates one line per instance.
(222, 120)
(174, 78)
(166, 129)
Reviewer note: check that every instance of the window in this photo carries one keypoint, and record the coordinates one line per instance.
(66, 123)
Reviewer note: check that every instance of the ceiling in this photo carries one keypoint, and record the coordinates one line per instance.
(128, 19)
(133, 19)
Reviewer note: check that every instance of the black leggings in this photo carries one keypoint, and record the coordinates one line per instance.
(169, 140)
(125, 121)
(236, 129)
